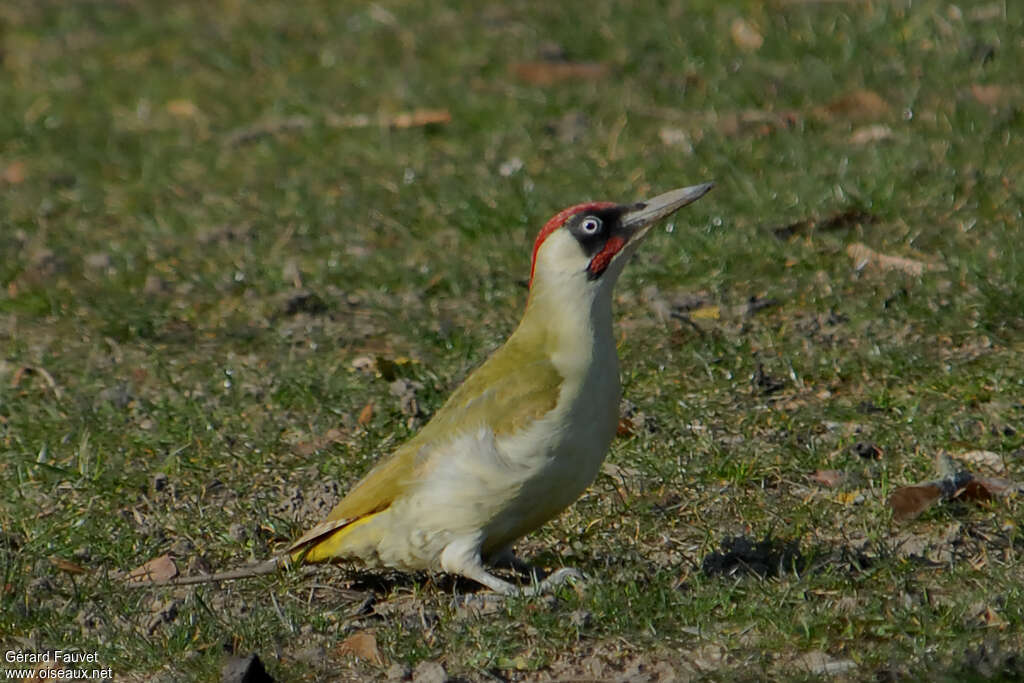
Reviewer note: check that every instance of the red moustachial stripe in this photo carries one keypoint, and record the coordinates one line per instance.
(557, 221)
(605, 256)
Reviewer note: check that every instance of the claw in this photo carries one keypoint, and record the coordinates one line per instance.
(557, 579)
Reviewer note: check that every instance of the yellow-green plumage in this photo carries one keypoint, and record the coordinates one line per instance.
(491, 396)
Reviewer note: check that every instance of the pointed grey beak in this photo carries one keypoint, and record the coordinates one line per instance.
(644, 214)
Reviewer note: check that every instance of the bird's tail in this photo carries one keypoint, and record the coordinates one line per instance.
(325, 541)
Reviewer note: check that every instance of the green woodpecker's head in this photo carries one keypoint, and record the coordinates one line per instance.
(590, 243)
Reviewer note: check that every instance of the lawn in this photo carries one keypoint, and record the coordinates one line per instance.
(246, 249)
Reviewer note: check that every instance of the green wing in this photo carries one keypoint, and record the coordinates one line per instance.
(514, 387)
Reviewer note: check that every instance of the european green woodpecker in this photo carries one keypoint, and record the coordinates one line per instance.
(525, 434)
(520, 439)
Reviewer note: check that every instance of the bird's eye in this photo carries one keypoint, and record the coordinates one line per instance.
(590, 225)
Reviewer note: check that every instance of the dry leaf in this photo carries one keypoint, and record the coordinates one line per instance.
(706, 313)
(984, 614)
(955, 484)
(185, 109)
(829, 478)
(991, 95)
(332, 435)
(158, 569)
(849, 497)
(864, 256)
(365, 415)
(973, 491)
(14, 173)
(983, 459)
(67, 566)
(859, 104)
(745, 36)
(908, 502)
(675, 137)
(757, 122)
(24, 370)
(992, 619)
(420, 117)
(986, 488)
(549, 73)
(869, 134)
(363, 645)
(365, 364)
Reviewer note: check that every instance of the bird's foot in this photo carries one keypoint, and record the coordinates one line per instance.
(557, 579)
(487, 602)
(463, 557)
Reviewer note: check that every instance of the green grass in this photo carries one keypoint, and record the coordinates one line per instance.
(148, 258)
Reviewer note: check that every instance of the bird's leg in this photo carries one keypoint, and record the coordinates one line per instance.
(506, 558)
(462, 557)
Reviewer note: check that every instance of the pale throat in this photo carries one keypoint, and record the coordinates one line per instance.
(575, 330)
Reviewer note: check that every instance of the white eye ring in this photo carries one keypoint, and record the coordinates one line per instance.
(590, 225)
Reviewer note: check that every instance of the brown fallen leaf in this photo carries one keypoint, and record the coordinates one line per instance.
(365, 415)
(27, 370)
(67, 566)
(859, 104)
(757, 122)
(184, 109)
(974, 491)
(908, 502)
(420, 117)
(14, 173)
(981, 489)
(829, 478)
(956, 484)
(361, 644)
(868, 134)
(549, 73)
(992, 95)
(984, 615)
(864, 256)
(331, 436)
(158, 569)
(744, 35)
